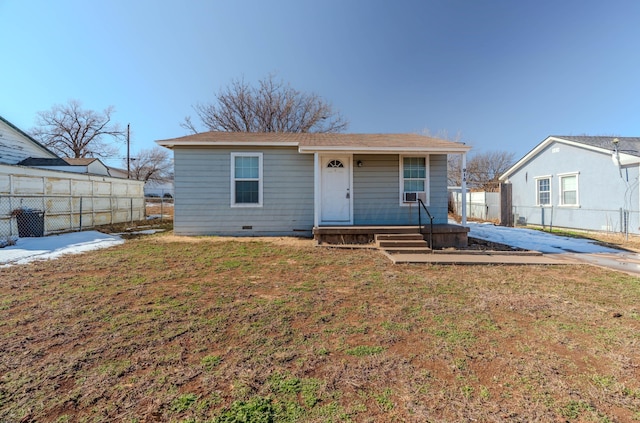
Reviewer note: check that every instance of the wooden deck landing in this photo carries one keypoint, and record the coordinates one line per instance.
(444, 235)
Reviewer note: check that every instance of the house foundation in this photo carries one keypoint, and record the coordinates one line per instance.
(443, 236)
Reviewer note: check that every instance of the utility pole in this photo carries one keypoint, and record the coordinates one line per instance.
(128, 155)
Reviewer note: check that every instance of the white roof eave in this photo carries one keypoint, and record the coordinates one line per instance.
(172, 144)
(380, 150)
(316, 149)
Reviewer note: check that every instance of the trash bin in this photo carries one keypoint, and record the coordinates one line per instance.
(30, 223)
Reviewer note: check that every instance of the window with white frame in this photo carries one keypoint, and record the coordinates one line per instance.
(246, 179)
(413, 179)
(543, 191)
(568, 189)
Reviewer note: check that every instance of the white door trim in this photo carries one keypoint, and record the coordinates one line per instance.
(347, 159)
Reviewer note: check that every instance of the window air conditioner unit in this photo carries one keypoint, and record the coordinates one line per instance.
(412, 197)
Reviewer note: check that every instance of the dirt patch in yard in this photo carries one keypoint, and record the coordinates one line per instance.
(282, 241)
(201, 329)
(481, 244)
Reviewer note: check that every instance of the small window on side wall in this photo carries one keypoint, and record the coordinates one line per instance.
(569, 189)
(246, 179)
(543, 191)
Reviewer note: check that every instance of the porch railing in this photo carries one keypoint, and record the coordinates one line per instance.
(423, 206)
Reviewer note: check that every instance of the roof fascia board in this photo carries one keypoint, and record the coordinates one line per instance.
(313, 149)
(365, 150)
(171, 144)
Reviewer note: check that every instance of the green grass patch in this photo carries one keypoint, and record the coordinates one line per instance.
(209, 362)
(183, 402)
(364, 350)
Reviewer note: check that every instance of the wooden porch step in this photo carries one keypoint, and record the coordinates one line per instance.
(403, 237)
(402, 243)
(407, 250)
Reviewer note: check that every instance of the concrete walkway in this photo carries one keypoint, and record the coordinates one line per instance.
(624, 261)
(482, 257)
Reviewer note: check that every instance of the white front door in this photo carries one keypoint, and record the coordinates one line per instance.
(336, 189)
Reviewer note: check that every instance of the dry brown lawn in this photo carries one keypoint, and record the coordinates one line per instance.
(166, 328)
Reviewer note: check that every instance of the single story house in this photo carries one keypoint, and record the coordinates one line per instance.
(275, 184)
(580, 182)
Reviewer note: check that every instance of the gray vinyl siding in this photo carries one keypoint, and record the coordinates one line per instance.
(376, 191)
(439, 197)
(603, 190)
(203, 194)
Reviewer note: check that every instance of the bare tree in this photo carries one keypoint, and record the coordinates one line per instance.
(153, 164)
(71, 131)
(486, 168)
(483, 169)
(272, 106)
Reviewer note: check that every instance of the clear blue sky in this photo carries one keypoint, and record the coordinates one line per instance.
(503, 74)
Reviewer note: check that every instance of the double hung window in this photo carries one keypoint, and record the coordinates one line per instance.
(413, 179)
(569, 189)
(543, 191)
(246, 179)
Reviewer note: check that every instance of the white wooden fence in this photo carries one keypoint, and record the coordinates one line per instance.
(480, 205)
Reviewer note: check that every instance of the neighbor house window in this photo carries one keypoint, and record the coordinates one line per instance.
(413, 179)
(543, 191)
(569, 189)
(246, 179)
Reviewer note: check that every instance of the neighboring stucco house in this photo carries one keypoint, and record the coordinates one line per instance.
(230, 183)
(579, 182)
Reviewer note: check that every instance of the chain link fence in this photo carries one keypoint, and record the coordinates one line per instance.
(35, 216)
(602, 220)
(159, 208)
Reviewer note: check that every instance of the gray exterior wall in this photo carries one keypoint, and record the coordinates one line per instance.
(376, 194)
(202, 193)
(603, 190)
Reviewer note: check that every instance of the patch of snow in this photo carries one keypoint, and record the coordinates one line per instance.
(54, 246)
(530, 239)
